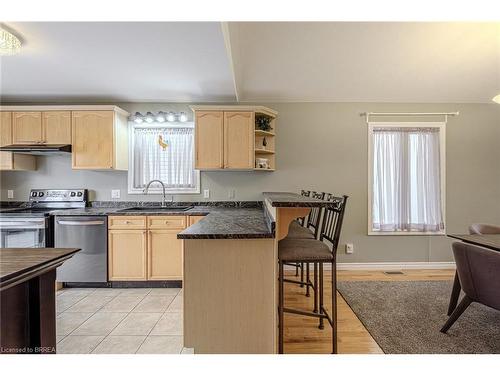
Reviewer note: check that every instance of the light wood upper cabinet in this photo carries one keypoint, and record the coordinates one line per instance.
(27, 128)
(239, 140)
(99, 140)
(56, 127)
(8, 160)
(5, 128)
(164, 255)
(127, 253)
(52, 127)
(209, 139)
(227, 137)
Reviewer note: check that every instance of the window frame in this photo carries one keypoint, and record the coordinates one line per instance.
(442, 159)
(156, 189)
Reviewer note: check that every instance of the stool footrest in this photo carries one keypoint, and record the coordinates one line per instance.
(307, 313)
(296, 265)
(299, 282)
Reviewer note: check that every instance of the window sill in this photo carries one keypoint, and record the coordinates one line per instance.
(443, 233)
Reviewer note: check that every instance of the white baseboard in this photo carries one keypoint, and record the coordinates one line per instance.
(383, 266)
(387, 266)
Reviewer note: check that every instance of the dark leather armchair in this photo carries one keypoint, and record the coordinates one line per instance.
(478, 270)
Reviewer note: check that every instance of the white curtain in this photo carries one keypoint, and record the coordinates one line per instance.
(406, 180)
(173, 165)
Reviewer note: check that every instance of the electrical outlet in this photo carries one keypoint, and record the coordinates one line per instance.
(10, 194)
(115, 193)
(232, 193)
(349, 248)
(206, 193)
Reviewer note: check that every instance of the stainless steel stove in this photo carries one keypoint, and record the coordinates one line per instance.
(33, 226)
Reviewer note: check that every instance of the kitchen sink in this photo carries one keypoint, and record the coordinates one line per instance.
(156, 208)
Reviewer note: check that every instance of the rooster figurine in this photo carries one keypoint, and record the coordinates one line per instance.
(162, 144)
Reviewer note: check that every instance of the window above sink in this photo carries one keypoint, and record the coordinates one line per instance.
(163, 151)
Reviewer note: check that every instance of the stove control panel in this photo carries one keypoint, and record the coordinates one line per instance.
(58, 195)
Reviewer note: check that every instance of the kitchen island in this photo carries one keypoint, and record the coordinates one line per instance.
(27, 294)
(230, 276)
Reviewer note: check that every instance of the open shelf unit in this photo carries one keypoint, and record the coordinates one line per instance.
(263, 133)
(267, 151)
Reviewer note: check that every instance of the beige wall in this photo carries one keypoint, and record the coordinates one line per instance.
(323, 146)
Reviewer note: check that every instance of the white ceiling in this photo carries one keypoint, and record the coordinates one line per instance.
(260, 61)
(386, 62)
(164, 61)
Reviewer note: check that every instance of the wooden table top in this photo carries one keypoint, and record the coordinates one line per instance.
(20, 263)
(491, 241)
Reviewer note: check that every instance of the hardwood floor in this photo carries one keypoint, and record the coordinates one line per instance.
(302, 334)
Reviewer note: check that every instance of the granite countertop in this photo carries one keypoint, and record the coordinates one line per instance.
(237, 220)
(219, 223)
(117, 211)
(283, 199)
(230, 223)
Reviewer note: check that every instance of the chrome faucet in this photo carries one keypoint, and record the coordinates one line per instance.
(164, 201)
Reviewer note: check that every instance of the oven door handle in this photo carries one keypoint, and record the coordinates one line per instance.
(80, 223)
(22, 224)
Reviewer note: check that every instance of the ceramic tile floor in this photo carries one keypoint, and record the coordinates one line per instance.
(119, 321)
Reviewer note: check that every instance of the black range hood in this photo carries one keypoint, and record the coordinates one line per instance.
(38, 149)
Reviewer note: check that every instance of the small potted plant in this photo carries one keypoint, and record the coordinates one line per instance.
(263, 123)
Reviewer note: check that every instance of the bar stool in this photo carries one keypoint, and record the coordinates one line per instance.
(314, 251)
(298, 227)
(297, 231)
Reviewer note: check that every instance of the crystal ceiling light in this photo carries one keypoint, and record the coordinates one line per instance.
(496, 99)
(9, 43)
(183, 117)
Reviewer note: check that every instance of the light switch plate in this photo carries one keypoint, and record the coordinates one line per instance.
(206, 193)
(115, 193)
(10, 194)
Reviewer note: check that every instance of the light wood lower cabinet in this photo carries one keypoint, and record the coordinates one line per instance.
(194, 219)
(164, 255)
(127, 253)
(152, 252)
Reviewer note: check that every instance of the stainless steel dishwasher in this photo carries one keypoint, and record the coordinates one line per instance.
(90, 234)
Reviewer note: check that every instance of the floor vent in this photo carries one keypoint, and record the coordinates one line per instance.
(394, 272)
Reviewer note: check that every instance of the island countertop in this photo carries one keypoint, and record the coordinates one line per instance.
(231, 223)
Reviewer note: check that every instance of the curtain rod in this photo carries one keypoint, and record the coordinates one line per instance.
(445, 114)
(409, 113)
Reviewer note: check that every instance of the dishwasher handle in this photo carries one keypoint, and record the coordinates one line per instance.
(80, 223)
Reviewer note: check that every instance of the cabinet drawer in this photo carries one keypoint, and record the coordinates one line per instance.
(166, 222)
(127, 222)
